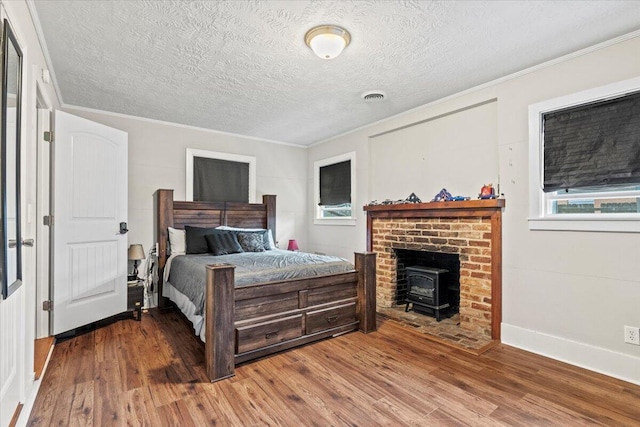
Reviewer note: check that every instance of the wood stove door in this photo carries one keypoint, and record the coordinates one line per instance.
(422, 289)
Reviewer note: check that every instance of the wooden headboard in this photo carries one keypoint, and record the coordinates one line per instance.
(170, 213)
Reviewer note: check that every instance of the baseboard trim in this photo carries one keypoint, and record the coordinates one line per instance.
(35, 388)
(16, 414)
(597, 359)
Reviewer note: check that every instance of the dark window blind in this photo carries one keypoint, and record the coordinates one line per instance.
(216, 180)
(335, 184)
(593, 145)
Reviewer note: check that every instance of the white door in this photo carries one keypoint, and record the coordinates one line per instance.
(90, 202)
(12, 309)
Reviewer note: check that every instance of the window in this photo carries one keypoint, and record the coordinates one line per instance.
(585, 161)
(335, 190)
(220, 177)
(608, 200)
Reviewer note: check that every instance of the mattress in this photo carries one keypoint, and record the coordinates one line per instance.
(187, 273)
(186, 307)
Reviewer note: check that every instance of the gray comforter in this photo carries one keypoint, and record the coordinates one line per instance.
(188, 272)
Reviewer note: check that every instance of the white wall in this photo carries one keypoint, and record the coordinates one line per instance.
(157, 159)
(565, 294)
(463, 142)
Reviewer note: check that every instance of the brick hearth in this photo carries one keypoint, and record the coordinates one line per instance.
(471, 229)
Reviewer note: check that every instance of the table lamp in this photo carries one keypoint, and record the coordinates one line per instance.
(293, 245)
(136, 254)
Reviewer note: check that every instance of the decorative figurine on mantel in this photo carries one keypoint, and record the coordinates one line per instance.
(445, 196)
(487, 192)
(442, 196)
(413, 199)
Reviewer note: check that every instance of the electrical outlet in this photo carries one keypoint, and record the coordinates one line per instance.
(632, 335)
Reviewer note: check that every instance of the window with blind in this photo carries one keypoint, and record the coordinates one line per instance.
(586, 160)
(595, 145)
(335, 185)
(220, 177)
(216, 180)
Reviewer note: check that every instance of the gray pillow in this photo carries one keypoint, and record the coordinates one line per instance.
(266, 234)
(251, 242)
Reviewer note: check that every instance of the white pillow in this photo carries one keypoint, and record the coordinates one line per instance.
(177, 241)
(272, 243)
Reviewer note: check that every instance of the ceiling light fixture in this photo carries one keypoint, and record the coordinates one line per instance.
(327, 41)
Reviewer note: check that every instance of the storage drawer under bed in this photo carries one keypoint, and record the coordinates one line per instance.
(327, 318)
(263, 334)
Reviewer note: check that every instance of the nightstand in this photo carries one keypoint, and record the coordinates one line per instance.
(135, 299)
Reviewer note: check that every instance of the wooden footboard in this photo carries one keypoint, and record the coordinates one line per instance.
(253, 321)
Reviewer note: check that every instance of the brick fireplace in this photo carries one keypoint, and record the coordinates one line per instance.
(471, 229)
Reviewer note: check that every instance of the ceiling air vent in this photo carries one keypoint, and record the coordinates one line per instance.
(374, 95)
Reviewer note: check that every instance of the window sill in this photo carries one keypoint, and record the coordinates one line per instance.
(619, 225)
(336, 221)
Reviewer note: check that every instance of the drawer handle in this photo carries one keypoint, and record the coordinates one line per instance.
(331, 319)
(269, 335)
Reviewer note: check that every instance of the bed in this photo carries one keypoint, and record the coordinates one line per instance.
(246, 321)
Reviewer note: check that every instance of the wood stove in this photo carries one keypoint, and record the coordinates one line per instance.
(427, 259)
(426, 290)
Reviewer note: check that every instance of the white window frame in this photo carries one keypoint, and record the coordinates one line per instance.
(192, 152)
(540, 217)
(318, 219)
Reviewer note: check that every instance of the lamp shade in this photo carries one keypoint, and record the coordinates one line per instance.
(293, 245)
(136, 252)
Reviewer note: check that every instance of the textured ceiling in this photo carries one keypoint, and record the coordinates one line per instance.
(243, 67)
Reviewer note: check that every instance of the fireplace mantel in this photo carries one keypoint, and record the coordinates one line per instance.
(465, 227)
(463, 205)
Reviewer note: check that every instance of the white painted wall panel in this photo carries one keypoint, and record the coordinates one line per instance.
(457, 152)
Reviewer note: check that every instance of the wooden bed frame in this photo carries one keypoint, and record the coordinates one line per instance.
(257, 320)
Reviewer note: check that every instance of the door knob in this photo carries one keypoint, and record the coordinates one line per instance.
(123, 228)
(25, 242)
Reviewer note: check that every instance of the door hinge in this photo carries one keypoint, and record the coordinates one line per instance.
(49, 136)
(47, 305)
(48, 220)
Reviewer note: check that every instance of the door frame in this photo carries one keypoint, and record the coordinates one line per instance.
(43, 208)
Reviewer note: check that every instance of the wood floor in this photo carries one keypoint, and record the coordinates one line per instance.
(152, 373)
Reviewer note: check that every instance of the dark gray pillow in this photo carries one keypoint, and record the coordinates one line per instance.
(194, 236)
(222, 242)
(251, 242)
